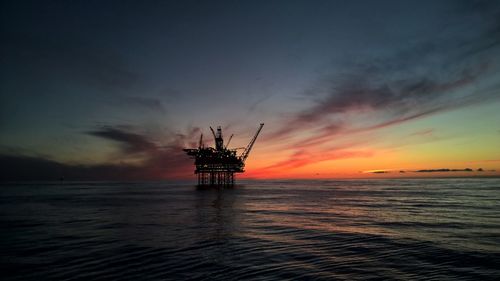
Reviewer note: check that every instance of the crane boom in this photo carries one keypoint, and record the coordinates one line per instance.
(245, 154)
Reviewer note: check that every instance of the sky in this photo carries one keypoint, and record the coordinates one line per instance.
(113, 90)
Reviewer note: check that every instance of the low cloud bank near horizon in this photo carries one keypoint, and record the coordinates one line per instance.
(157, 161)
(442, 170)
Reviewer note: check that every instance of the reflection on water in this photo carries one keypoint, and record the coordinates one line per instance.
(359, 229)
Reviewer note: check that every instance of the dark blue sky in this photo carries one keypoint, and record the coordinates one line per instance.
(79, 78)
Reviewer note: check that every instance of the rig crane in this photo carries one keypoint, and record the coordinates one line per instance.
(247, 150)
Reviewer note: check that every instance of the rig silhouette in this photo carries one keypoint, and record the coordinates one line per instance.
(216, 166)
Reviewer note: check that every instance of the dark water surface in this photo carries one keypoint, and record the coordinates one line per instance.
(446, 229)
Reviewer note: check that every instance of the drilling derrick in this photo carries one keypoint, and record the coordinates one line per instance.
(216, 166)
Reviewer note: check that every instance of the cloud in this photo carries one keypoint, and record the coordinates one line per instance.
(378, 171)
(130, 142)
(384, 102)
(254, 105)
(149, 103)
(435, 75)
(304, 157)
(444, 170)
(28, 168)
(159, 161)
(423, 133)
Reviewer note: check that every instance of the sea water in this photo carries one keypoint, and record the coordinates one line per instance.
(412, 229)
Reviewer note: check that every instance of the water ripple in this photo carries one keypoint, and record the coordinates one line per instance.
(268, 230)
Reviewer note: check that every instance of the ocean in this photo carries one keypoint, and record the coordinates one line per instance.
(411, 229)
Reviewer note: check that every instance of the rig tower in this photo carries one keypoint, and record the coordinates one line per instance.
(216, 166)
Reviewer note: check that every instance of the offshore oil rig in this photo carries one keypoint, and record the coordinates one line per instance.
(216, 166)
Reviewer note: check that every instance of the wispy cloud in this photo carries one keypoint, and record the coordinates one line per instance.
(426, 78)
(149, 103)
(304, 157)
(385, 102)
(432, 76)
(130, 142)
(423, 133)
(161, 160)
